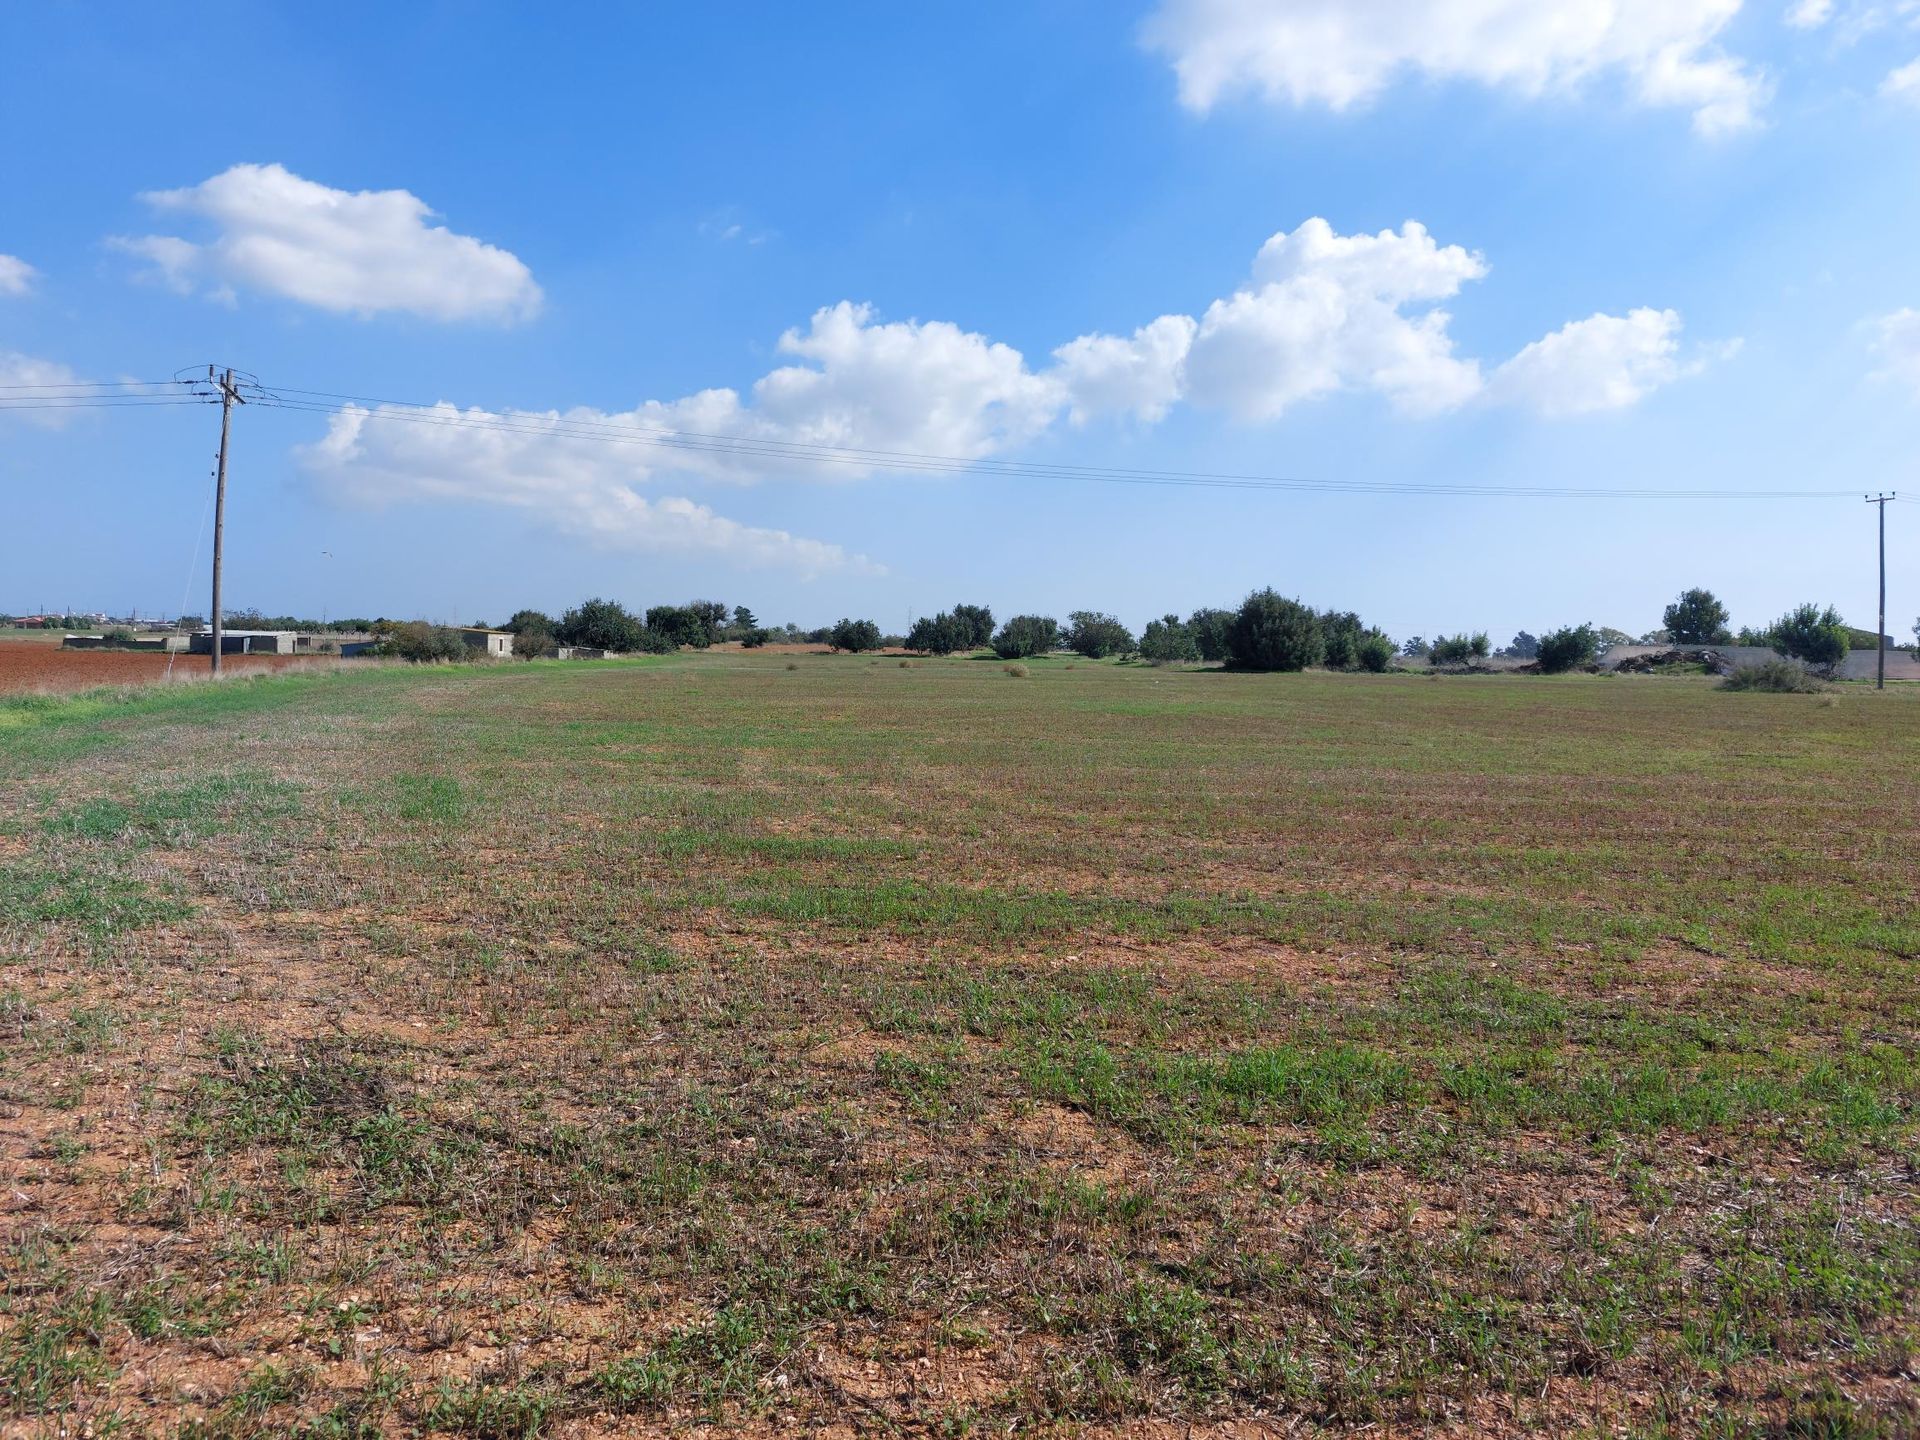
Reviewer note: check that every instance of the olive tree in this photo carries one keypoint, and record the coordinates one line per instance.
(1271, 632)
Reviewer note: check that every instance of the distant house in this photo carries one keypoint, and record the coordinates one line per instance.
(243, 642)
(494, 643)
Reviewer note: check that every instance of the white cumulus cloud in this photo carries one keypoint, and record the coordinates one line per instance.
(858, 396)
(537, 463)
(1140, 375)
(364, 252)
(1903, 84)
(16, 276)
(21, 377)
(1605, 362)
(1328, 312)
(1344, 53)
(1896, 342)
(1809, 14)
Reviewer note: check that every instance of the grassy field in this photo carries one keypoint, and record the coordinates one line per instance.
(781, 1042)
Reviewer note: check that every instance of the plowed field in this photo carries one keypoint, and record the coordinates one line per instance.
(29, 665)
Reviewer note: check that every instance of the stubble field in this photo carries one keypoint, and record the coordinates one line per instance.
(802, 1043)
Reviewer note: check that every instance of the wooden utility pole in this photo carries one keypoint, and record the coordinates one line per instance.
(229, 397)
(1880, 635)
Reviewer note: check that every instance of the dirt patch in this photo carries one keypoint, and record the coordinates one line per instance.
(27, 667)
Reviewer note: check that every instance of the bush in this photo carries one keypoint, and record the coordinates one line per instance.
(1814, 636)
(1212, 632)
(1696, 618)
(679, 625)
(940, 634)
(1271, 632)
(1167, 641)
(854, 636)
(532, 633)
(1569, 646)
(1026, 635)
(975, 624)
(1374, 652)
(1461, 649)
(418, 641)
(1097, 636)
(1778, 677)
(601, 625)
(1018, 672)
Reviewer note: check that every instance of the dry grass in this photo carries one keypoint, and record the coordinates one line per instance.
(578, 1050)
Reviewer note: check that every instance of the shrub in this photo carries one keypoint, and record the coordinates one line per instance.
(1567, 647)
(1779, 677)
(711, 618)
(940, 634)
(1814, 636)
(532, 633)
(1340, 631)
(1374, 652)
(854, 636)
(1524, 646)
(1167, 641)
(975, 625)
(1019, 672)
(678, 624)
(601, 625)
(1696, 618)
(1212, 633)
(1461, 649)
(1416, 648)
(1026, 635)
(1271, 632)
(1097, 636)
(418, 641)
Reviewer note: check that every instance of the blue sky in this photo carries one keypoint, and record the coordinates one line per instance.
(1651, 244)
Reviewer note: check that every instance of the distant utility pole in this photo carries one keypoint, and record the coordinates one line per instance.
(229, 397)
(1880, 636)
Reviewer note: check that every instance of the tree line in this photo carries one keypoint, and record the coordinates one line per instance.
(1266, 631)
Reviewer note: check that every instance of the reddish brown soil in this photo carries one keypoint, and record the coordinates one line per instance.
(30, 666)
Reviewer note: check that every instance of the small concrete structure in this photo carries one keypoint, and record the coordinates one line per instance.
(243, 642)
(496, 644)
(1858, 665)
(575, 652)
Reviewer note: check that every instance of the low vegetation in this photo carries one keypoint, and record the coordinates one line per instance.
(1780, 677)
(717, 1039)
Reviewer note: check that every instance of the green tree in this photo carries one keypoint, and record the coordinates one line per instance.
(1697, 618)
(1168, 641)
(1568, 647)
(533, 632)
(601, 625)
(418, 641)
(711, 617)
(976, 626)
(1524, 646)
(1461, 649)
(1814, 637)
(1212, 632)
(1025, 636)
(1374, 652)
(854, 636)
(940, 634)
(1271, 632)
(1097, 636)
